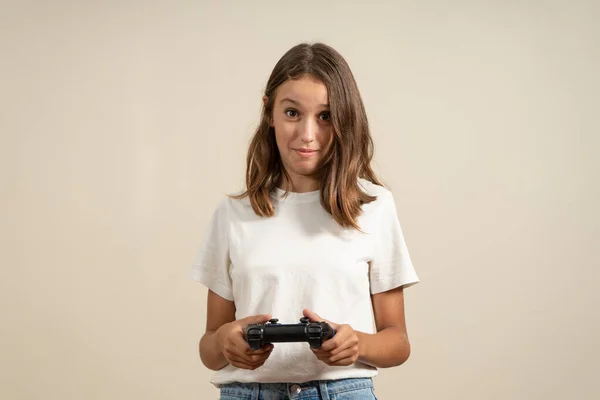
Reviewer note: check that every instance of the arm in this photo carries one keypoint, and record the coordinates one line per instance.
(223, 342)
(219, 312)
(390, 346)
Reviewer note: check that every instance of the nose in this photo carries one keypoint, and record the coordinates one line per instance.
(309, 130)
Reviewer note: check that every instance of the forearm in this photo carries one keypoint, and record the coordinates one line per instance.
(210, 352)
(388, 348)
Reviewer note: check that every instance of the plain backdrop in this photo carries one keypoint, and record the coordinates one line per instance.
(124, 123)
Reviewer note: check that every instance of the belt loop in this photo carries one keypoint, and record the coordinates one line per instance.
(323, 390)
(255, 390)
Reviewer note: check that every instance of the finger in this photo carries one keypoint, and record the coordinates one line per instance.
(244, 365)
(322, 357)
(237, 345)
(348, 344)
(255, 319)
(344, 362)
(265, 349)
(346, 353)
(344, 331)
(253, 361)
(336, 341)
(319, 352)
(348, 357)
(238, 352)
(233, 358)
(258, 356)
(324, 353)
(313, 316)
(239, 362)
(240, 343)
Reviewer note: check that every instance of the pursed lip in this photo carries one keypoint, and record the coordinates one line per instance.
(306, 150)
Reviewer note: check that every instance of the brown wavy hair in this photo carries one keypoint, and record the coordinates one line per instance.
(350, 153)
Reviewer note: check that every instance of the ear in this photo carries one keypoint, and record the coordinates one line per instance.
(265, 101)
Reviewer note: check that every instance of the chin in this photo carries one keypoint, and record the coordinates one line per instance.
(302, 167)
(305, 171)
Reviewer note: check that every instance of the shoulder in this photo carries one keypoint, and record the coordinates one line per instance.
(381, 209)
(382, 193)
(230, 207)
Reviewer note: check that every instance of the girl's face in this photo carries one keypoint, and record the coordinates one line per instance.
(303, 129)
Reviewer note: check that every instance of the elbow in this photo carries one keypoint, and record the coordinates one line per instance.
(404, 351)
(207, 362)
(210, 363)
(212, 360)
(203, 356)
(401, 355)
(212, 367)
(404, 354)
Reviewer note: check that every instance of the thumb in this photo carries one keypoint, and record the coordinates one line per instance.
(255, 319)
(314, 317)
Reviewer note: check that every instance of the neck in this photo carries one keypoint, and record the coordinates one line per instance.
(300, 184)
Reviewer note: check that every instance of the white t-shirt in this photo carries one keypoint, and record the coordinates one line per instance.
(301, 258)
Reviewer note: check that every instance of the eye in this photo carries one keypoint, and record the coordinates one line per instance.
(290, 112)
(326, 116)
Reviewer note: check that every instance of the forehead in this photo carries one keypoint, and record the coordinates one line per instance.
(307, 91)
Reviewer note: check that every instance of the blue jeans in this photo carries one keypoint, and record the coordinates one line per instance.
(341, 389)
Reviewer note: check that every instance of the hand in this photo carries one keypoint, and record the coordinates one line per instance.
(341, 349)
(230, 338)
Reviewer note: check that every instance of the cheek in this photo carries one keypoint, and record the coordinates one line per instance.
(281, 143)
(283, 135)
(326, 139)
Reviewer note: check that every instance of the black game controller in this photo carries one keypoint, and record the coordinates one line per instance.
(315, 333)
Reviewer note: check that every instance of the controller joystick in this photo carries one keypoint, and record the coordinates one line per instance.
(315, 333)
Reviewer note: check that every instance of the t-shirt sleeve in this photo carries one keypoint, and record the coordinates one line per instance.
(211, 266)
(390, 265)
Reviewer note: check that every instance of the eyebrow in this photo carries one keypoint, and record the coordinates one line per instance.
(298, 104)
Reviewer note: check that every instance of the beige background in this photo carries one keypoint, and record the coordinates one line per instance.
(122, 124)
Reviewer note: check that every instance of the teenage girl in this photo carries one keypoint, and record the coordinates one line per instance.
(314, 234)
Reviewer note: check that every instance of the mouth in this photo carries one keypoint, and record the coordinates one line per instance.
(306, 152)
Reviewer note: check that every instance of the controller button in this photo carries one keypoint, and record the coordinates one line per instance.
(305, 320)
(273, 321)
